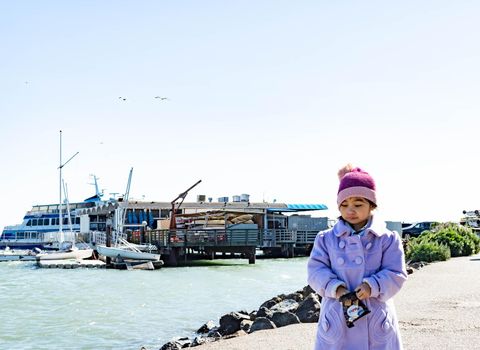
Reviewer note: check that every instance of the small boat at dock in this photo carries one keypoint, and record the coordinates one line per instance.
(8, 254)
(125, 253)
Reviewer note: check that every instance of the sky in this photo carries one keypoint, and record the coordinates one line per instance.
(266, 98)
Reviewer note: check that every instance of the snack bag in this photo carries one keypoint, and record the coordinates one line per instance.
(353, 308)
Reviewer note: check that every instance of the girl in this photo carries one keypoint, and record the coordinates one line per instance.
(358, 254)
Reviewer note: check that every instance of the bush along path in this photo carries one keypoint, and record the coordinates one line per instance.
(442, 242)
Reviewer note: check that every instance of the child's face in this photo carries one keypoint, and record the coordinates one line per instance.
(356, 211)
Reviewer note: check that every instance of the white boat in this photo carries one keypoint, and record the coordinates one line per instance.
(74, 253)
(71, 251)
(126, 253)
(17, 254)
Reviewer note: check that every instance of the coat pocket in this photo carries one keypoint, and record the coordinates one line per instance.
(382, 328)
(330, 327)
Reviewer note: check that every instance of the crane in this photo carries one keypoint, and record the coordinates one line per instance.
(173, 224)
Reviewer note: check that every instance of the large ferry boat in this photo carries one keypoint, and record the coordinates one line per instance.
(41, 227)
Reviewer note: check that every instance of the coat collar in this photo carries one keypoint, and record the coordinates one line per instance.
(377, 227)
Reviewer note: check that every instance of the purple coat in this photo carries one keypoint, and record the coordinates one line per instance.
(377, 258)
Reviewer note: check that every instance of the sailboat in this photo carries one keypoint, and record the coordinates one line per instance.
(122, 248)
(72, 251)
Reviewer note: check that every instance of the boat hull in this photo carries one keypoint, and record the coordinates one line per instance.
(17, 255)
(114, 252)
(77, 254)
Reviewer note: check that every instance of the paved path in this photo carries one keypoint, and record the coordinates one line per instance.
(438, 308)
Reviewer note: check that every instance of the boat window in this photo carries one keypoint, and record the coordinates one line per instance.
(43, 207)
(46, 222)
(34, 222)
(29, 223)
(77, 221)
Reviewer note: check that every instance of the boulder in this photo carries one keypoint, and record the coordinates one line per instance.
(269, 303)
(263, 312)
(171, 345)
(307, 290)
(207, 327)
(297, 296)
(284, 318)
(245, 325)
(286, 305)
(261, 323)
(309, 310)
(230, 323)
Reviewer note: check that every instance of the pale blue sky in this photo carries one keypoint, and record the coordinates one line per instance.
(267, 98)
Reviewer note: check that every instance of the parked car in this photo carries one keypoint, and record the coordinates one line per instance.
(414, 230)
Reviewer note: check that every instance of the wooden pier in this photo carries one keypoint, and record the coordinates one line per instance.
(176, 245)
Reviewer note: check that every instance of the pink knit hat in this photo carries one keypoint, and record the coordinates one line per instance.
(354, 182)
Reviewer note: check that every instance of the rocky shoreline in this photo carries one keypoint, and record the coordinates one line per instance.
(301, 306)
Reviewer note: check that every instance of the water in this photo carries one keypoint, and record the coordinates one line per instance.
(114, 309)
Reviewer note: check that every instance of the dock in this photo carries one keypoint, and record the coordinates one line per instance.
(71, 264)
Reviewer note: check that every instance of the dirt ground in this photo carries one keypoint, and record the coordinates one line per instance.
(438, 308)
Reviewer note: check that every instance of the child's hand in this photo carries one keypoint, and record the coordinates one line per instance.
(341, 291)
(363, 291)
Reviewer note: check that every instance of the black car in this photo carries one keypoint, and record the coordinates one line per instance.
(414, 230)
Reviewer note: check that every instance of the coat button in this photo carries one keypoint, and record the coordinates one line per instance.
(340, 261)
(369, 245)
(358, 260)
(341, 244)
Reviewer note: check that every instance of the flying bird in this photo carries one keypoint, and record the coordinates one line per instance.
(162, 98)
(122, 98)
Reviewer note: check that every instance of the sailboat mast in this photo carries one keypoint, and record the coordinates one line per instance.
(60, 221)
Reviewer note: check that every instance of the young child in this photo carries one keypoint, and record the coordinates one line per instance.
(359, 254)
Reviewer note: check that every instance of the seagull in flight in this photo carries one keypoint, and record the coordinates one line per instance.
(122, 98)
(162, 98)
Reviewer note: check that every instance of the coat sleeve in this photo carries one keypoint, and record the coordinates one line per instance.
(320, 274)
(389, 279)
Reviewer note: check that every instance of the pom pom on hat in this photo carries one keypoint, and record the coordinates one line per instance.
(354, 182)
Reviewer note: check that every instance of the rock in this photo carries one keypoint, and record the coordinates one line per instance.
(269, 303)
(418, 265)
(297, 296)
(214, 334)
(286, 305)
(284, 318)
(307, 290)
(245, 325)
(253, 315)
(199, 341)
(309, 310)
(263, 312)
(410, 270)
(184, 342)
(261, 323)
(171, 345)
(207, 327)
(230, 323)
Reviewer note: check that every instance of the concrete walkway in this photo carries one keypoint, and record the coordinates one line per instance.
(438, 308)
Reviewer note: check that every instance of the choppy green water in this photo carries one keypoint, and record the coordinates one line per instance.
(112, 309)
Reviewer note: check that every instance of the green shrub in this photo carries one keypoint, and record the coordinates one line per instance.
(427, 251)
(460, 239)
